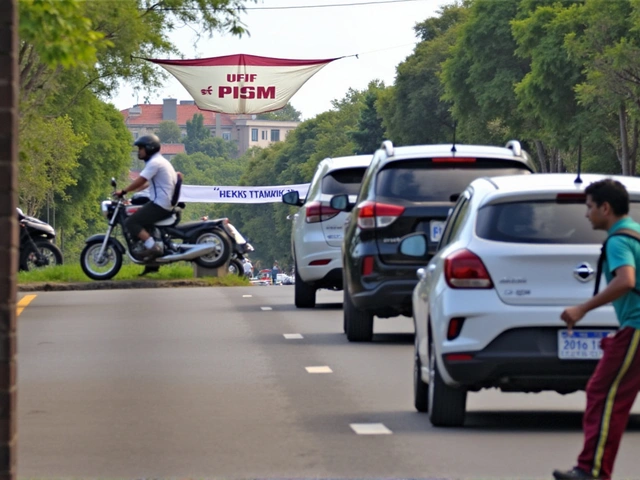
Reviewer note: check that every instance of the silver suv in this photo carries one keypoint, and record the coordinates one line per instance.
(317, 230)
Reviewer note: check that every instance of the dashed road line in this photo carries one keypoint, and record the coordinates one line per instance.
(370, 429)
(266, 309)
(247, 296)
(323, 369)
(292, 336)
(24, 301)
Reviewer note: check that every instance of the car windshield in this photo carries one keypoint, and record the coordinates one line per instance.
(540, 222)
(344, 181)
(424, 181)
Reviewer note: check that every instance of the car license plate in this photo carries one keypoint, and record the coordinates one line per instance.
(435, 230)
(581, 345)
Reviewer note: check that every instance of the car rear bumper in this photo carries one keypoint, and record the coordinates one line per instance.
(521, 359)
(387, 298)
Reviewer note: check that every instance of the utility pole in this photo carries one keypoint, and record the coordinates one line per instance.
(8, 234)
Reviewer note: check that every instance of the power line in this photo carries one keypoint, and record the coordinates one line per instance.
(297, 7)
(351, 4)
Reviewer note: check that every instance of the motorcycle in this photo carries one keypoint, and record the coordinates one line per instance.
(204, 242)
(36, 243)
(240, 251)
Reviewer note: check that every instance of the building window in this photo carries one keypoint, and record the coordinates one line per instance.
(264, 134)
(254, 134)
(275, 135)
(226, 135)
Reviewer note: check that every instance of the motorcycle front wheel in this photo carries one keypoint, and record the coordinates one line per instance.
(50, 256)
(100, 268)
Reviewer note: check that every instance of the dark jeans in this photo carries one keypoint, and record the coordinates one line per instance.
(146, 217)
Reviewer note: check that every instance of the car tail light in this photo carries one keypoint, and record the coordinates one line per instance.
(458, 357)
(317, 212)
(367, 265)
(464, 269)
(375, 214)
(455, 327)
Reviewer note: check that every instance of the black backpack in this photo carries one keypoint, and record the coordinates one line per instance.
(623, 232)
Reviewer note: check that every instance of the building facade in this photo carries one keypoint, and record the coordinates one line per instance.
(244, 130)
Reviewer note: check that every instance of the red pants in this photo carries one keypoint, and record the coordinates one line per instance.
(611, 391)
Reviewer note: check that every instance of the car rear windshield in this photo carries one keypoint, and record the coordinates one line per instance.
(540, 222)
(345, 181)
(426, 181)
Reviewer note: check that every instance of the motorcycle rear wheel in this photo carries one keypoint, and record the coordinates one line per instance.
(104, 268)
(222, 250)
(50, 252)
(236, 267)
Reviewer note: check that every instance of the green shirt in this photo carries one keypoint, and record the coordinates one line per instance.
(624, 251)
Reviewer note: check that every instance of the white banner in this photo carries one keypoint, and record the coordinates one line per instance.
(242, 84)
(206, 194)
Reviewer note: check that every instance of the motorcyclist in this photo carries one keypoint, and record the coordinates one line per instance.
(161, 178)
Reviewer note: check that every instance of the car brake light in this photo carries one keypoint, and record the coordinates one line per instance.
(367, 266)
(464, 269)
(455, 327)
(458, 357)
(453, 160)
(375, 214)
(317, 212)
(571, 198)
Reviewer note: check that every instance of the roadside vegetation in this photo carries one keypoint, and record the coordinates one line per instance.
(73, 273)
(560, 76)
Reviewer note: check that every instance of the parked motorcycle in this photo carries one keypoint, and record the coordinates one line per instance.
(204, 242)
(240, 250)
(36, 243)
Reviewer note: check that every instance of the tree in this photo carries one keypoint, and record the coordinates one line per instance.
(286, 114)
(169, 132)
(369, 133)
(196, 133)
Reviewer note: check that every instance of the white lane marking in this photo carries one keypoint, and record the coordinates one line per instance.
(319, 369)
(247, 296)
(266, 309)
(370, 429)
(292, 336)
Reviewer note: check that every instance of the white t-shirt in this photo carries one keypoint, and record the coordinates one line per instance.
(162, 179)
(247, 267)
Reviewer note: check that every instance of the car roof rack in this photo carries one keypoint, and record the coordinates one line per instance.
(387, 146)
(515, 146)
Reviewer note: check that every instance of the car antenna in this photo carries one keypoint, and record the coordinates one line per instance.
(578, 179)
(453, 146)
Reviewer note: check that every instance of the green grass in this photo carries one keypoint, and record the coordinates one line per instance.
(73, 273)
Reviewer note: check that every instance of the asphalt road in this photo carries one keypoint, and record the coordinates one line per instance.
(202, 382)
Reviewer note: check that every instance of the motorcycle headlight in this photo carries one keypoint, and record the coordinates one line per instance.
(104, 207)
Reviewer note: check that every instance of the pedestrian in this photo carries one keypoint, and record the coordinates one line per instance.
(274, 272)
(248, 268)
(614, 384)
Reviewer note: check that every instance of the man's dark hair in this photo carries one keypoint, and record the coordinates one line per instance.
(612, 192)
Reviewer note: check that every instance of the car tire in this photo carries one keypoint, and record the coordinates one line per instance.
(358, 324)
(304, 294)
(447, 405)
(420, 388)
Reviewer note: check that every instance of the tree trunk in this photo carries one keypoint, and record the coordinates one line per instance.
(8, 234)
(542, 156)
(623, 156)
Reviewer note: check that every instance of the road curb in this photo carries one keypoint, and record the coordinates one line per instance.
(110, 285)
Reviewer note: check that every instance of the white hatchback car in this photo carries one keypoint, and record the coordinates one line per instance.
(516, 251)
(317, 231)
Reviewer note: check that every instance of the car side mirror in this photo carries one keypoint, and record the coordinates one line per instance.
(341, 203)
(113, 182)
(414, 245)
(292, 198)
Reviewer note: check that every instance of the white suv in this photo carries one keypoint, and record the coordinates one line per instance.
(515, 251)
(316, 236)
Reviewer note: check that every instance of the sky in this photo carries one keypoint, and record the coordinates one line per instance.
(380, 33)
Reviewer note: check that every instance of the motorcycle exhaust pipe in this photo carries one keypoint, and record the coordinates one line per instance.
(194, 252)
